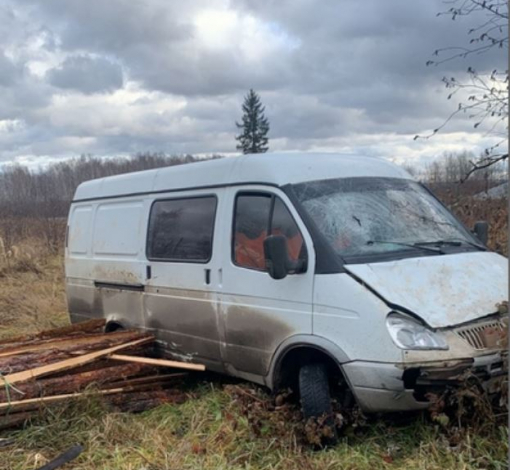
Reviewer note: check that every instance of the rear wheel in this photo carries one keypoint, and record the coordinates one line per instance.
(113, 326)
(316, 404)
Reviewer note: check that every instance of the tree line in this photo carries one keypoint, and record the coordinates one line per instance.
(49, 191)
(450, 176)
(35, 204)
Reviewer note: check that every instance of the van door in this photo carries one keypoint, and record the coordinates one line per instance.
(181, 289)
(259, 312)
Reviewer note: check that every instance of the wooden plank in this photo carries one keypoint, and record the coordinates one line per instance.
(157, 362)
(129, 394)
(67, 363)
(141, 401)
(83, 327)
(13, 420)
(64, 343)
(21, 404)
(32, 360)
(163, 378)
(121, 373)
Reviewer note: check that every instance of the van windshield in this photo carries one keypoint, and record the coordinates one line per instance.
(364, 216)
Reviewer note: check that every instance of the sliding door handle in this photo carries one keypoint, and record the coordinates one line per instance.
(207, 276)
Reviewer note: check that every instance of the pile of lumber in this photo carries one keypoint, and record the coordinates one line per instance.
(60, 365)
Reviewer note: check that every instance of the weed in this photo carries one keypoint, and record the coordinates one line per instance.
(239, 426)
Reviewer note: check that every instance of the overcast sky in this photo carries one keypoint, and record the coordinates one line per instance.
(116, 77)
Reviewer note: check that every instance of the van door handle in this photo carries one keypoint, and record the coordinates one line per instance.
(148, 272)
(207, 276)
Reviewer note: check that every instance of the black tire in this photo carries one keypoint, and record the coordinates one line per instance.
(316, 398)
(113, 327)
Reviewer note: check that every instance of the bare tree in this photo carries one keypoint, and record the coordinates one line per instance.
(445, 175)
(485, 94)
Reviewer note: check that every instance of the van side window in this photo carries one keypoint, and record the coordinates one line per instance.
(182, 229)
(256, 217)
(251, 228)
(284, 224)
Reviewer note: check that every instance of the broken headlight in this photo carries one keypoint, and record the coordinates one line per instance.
(408, 333)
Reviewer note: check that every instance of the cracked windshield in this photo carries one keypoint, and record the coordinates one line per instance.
(362, 216)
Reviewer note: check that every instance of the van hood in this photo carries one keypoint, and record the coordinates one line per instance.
(443, 290)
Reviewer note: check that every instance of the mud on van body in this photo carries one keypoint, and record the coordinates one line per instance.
(293, 268)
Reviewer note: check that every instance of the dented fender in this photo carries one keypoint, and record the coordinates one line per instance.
(442, 290)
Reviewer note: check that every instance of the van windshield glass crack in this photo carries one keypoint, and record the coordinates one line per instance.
(353, 214)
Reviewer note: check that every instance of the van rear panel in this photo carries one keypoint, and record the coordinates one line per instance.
(105, 268)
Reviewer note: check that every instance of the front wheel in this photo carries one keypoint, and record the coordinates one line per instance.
(316, 404)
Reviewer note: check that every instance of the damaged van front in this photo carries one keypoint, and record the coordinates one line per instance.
(412, 300)
(448, 318)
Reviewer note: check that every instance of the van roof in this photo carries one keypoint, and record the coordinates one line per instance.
(275, 169)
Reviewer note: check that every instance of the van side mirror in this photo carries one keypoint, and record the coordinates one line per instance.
(275, 252)
(277, 258)
(481, 230)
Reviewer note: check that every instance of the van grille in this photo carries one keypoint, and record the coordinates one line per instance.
(490, 335)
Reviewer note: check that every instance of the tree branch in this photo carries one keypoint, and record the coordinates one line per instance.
(483, 163)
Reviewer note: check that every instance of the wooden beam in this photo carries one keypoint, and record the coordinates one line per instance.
(152, 379)
(13, 420)
(20, 404)
(130, 394)
(158, 362)
(67, 363)
(66, 342)
(76, 382)
(83, 327)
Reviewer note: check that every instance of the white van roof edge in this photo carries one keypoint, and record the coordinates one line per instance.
(275, 169)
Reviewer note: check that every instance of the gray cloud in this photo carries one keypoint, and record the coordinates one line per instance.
(122, 76)
(10, 72)
(87, 74)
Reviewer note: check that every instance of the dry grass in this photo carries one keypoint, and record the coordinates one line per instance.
(237, 427)
(495, 212)
(32, 295)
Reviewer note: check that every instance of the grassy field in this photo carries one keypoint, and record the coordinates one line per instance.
(220, 424)
(32, 295)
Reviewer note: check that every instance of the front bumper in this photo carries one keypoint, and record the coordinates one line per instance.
(384, 387)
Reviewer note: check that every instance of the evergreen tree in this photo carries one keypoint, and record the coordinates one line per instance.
(255, 126)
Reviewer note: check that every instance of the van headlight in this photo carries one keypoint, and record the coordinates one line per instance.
(408, 333)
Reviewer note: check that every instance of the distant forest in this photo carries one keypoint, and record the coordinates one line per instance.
(49, 191)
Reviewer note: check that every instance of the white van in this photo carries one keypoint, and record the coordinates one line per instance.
(293, 269)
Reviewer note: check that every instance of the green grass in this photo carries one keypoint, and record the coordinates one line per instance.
(237, 427)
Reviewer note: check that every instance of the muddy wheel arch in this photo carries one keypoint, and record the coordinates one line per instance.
(113, 325)
(299, 349)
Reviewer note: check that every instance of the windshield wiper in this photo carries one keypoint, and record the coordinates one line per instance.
(410, 245)
(453, 242)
